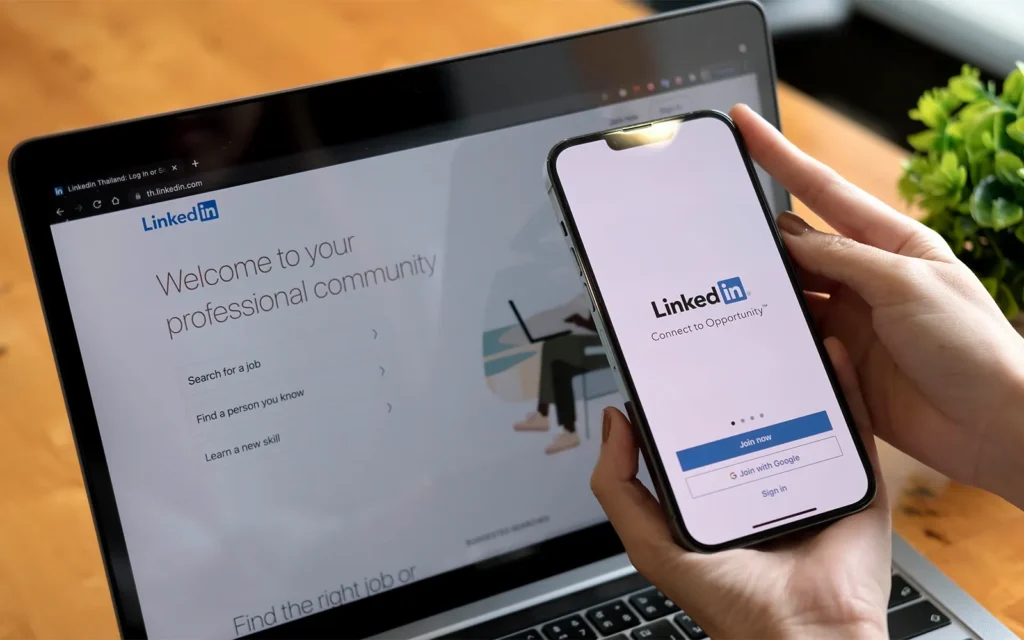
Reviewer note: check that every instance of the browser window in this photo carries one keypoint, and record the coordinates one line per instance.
(318, 387)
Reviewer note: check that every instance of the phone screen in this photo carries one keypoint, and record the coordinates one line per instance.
(711, 333)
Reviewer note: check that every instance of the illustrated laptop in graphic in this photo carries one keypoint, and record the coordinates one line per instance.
(251, 469)
(526, 329)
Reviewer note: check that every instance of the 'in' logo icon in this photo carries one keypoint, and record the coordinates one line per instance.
(732, 290)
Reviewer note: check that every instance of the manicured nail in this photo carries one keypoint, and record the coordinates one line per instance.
(606, 425)
(792, 224)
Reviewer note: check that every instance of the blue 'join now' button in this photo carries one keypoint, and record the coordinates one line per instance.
(756, 440)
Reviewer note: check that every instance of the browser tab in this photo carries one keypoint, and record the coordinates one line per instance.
(670, 105)
(624, 115)
(721, 71)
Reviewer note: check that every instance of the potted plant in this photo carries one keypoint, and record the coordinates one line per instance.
(967, 174)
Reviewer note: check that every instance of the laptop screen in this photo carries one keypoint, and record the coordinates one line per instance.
(313, 387)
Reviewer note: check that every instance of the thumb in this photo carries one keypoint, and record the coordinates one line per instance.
(877, 276)
(634, 513)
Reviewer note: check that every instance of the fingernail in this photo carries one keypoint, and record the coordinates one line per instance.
(606, 425)
(792, 224)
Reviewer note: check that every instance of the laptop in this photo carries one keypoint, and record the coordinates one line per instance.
(532, 339)
(283, 334)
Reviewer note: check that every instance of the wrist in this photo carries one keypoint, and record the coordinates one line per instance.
(859, 615)
(864, 629)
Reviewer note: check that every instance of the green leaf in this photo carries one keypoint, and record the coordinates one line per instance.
(949, 162)
(935, 183)
(999, 140)
(919, 164)
(973, 110)
(934, 107)
(1017, 282)
(1020, 234)
(909, 188)
(980, 167)
(999, 269)
(987, 142)
(977, 124)
(1007, 304)
(943, 185)
(956, 229)
(1013, 86)
(966, 226)
(935, 204)
(991, 285)
(923, 140)
(1005, 213)
(956, 174)
(1016, 130)
(967, 86)
(983, 201)
(1008, 166)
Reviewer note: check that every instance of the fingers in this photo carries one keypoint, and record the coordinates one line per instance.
(819, 306)
(632, 510)
(641, 524)
(850, 384)
(865, 535)
(848, 209)
(878, 276)
(813, 282)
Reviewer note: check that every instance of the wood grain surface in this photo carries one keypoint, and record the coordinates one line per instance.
(65, 65)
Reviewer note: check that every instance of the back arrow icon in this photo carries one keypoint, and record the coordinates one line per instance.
(60, 211)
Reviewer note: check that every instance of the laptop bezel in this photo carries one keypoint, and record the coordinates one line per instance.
(36, 164)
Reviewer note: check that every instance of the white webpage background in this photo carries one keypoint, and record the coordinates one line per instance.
(661, 220)
(350, 490)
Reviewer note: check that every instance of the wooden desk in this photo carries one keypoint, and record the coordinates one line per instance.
(67, 65)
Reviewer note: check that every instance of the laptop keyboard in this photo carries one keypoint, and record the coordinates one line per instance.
(630, 608)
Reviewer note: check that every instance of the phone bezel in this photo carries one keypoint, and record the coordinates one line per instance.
(663, 487)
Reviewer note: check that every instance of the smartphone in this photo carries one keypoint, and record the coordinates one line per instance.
(741, 420)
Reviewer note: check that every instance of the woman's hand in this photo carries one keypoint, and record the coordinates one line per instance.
(831, 583)
(941, 368)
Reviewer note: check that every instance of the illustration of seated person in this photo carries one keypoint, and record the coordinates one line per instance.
(574, 349)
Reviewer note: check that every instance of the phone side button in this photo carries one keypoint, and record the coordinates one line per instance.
(593, 305)
(579, 265)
